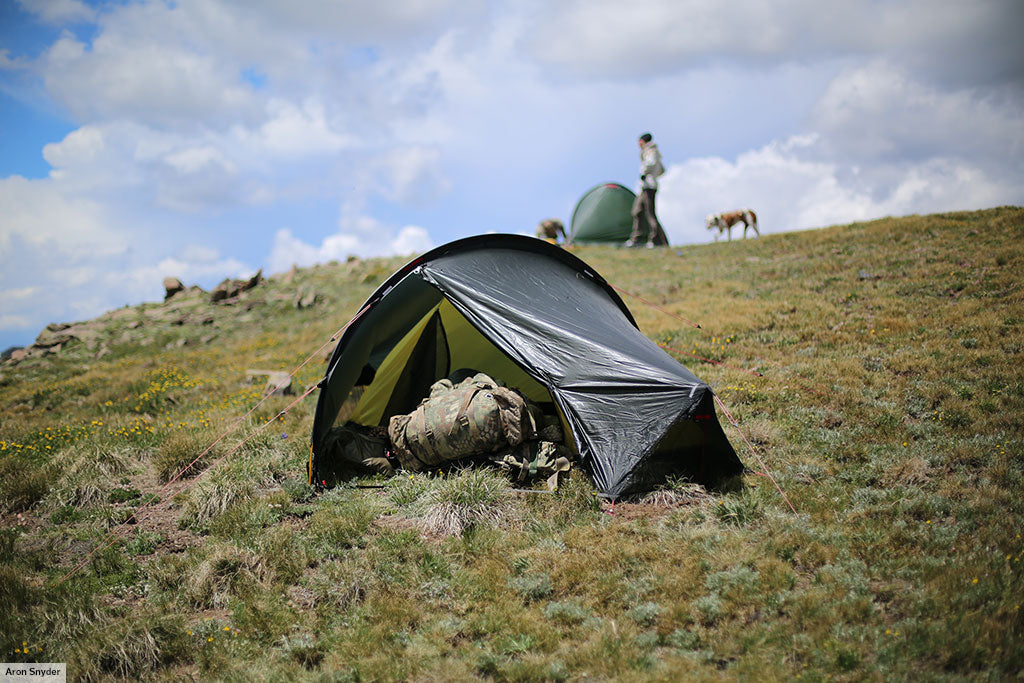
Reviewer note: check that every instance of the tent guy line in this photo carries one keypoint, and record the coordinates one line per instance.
(658, 308)
(693, 354)
(150, 507)
(117, 533)
(750, 446)
(821, 392)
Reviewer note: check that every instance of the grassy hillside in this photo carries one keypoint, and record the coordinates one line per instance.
(874, 369)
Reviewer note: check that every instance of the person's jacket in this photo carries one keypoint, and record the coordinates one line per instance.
(650, 166)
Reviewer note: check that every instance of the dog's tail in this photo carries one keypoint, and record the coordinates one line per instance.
(751, 218)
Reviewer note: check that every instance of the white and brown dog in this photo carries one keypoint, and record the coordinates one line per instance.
(725, 221)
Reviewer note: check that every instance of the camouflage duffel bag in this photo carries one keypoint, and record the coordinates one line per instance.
(353, 449)
(532, 460)
(473, 417)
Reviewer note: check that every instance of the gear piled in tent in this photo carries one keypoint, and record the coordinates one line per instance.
(603, 215)
(539, 323)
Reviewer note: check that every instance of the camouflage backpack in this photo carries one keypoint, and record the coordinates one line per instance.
(473, 417)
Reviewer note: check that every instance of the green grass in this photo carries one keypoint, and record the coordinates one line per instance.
(873, 369)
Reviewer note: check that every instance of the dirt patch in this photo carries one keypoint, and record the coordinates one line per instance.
(162, 516)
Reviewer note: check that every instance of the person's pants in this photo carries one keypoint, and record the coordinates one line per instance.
(644, 216)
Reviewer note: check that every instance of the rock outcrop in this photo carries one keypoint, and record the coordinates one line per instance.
(230, 289)
(188, 316)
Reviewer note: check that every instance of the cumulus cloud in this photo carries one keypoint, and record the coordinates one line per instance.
(292, 130)
(791, 190)
(69, 284)
(410, 175)
(879, 112)
(68, 257)
(944, 38)
(371, 239)
(156, 82)
(59, 11)
(39, 213)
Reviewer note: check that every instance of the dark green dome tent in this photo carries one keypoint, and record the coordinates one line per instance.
(603, 215)
(539, 319)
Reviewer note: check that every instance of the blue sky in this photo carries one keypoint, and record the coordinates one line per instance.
(205, 139)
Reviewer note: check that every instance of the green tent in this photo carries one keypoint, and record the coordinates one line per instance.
(536, 318)
(604, 216)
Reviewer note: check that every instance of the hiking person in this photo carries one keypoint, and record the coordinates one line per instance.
(643, 206)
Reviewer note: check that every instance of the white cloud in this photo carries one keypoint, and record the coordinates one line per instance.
(153, 81)
(199, 253)
(791, 191)
(410, 175)
(44, 282)
(193, 159)
(941, 37)
(59, 11)
(14, 322)
(66, 257)
(411, 240)
(298, 131)
(370, 239)
(20, 293)
(37, 212)
(194, 264)
(82, 146)
(879, 112)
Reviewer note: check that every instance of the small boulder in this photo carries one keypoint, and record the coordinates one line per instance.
(172, 286)
(278, 381)
(220, 292)
(53, 334)
(306, 298)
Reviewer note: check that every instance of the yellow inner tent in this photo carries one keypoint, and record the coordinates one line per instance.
(467, 348)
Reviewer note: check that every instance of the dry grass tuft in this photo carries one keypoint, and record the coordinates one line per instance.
(469, 499)
(90, 475)
(683, 493)
(911, 472)
(183, 449)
